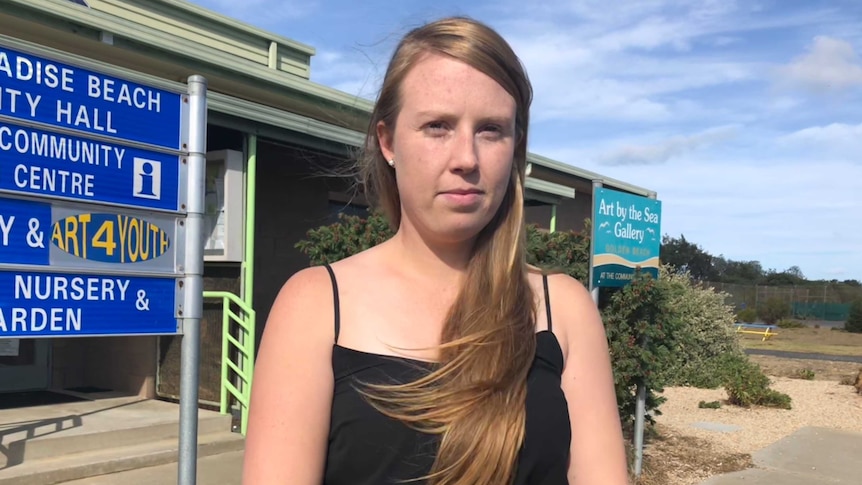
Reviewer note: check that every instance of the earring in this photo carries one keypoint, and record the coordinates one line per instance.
(391, 162)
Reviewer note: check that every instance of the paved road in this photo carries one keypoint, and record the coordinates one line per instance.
(805, 355)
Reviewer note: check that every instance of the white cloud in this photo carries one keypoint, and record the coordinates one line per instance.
(665, 150)
(838, 140)
(829, 65)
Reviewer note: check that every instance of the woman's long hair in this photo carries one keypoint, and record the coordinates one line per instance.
(474, 398)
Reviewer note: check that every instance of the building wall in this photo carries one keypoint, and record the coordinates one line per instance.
(571, 214)
(124, 364)
(292, 197)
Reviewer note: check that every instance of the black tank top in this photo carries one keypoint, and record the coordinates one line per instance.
(368, 448)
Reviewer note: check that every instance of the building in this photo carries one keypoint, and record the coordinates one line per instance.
(273, 136)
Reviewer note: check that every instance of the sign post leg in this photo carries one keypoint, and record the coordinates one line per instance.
(640, 415)
(193, 282)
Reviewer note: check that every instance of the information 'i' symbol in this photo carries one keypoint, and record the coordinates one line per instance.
(148, 179)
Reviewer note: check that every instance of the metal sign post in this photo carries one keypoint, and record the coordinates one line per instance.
(101, 209)
(193, 307)
(594, 290)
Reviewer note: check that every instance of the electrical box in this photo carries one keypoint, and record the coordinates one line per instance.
(224, 203)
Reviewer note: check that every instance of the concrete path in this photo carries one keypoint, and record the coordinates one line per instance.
(810, 456)
(224, 469)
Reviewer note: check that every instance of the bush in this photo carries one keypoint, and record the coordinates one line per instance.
(806, 374)
(746, 315)
(563, 251)
(348, 236)
(641, 338)
(709, 405)
(704, 330)
(747, 385)
(773, 310)
(854, 320)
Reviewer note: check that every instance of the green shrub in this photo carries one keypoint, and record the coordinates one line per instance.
(709, 405)
(789, 323)
(773, 310)
(704, 330)
(806, 374)
(747, 385)
(854, 320)
(641, 338)
(566, 251)
(774, 399)
(746, 315)
(348, 236)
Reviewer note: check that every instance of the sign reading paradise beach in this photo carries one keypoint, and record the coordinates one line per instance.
(627, 236)
(94, 202)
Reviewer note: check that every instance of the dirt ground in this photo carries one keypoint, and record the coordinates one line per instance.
(674, 458)
(823, 370)
(679, 454)
(809, 339)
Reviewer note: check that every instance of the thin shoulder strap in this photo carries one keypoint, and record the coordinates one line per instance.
(337, 305)
(547, 302)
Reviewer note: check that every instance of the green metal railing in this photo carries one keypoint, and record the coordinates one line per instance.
(236, 375)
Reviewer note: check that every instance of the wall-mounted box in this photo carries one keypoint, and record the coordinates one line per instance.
(224, 221)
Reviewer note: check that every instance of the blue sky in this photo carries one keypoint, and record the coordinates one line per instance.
(744, 116)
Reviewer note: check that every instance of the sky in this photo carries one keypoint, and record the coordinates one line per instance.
(744, 116)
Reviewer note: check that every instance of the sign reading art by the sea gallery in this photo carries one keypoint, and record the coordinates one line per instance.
(627, 236)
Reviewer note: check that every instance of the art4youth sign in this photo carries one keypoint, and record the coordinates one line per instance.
(627, 236)
(94, 201)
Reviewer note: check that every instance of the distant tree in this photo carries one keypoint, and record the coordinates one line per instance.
(743, 272)
(687, 257)
(855, 283)
(789, 277)
(795, 271)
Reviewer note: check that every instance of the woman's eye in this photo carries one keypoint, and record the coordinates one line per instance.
(491, 131)
(436, 128)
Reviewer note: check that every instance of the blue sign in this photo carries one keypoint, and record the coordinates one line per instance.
(627, 231)
(42, 163)
(22, 238)
(68, 305)
(41, 90)
(74, 236)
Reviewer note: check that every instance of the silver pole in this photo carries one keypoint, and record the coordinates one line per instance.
(594, 291)
(640, 410)
(640, 413)
(193, 282)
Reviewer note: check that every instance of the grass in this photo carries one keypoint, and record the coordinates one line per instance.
(807, 339)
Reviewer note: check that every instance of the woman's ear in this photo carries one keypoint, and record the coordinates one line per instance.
(384, 139)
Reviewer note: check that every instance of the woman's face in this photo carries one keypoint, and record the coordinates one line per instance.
(453, 145)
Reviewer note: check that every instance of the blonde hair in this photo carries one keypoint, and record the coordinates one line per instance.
(475, 396)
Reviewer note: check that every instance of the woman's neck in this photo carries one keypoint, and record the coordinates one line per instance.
(432, 259)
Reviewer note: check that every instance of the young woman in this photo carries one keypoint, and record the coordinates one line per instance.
(438, 356)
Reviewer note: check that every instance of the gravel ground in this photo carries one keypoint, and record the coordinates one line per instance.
(814, 403)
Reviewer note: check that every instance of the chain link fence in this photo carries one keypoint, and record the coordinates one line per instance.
(829, 302)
